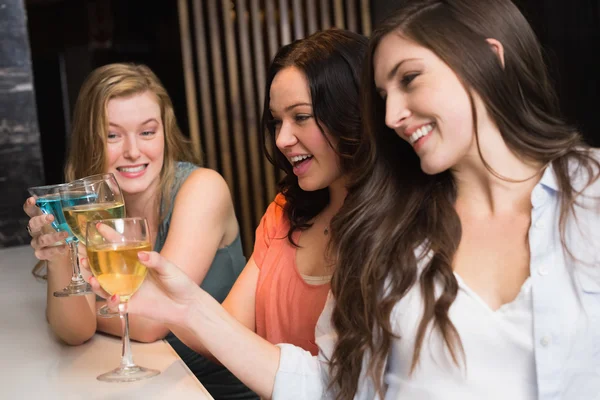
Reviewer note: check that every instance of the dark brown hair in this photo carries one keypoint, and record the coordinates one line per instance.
(331, 61)
(393, 207)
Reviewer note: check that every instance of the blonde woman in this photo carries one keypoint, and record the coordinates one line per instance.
(124, 123)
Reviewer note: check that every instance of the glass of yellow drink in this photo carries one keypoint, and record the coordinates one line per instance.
(89, 198)
(112, 249)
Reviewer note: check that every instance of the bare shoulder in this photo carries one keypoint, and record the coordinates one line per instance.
(204, 200)
(206, 184)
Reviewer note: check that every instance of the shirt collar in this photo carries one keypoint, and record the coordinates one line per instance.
(549, 179)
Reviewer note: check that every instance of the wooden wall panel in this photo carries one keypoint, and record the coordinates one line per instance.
(226, 48)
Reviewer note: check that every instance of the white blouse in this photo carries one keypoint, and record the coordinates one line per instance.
(498, 347)
(544, 345)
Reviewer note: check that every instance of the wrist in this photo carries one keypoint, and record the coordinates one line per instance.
(200, 309)
(59, 262)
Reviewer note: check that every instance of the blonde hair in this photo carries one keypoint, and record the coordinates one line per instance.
(87, 150)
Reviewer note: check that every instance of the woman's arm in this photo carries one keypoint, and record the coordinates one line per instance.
(203, 220)
(71, 318)
(240, 304)
(169, 296)
(248, 356)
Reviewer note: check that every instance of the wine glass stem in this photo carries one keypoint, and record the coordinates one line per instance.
(75, 263)
(126, 356)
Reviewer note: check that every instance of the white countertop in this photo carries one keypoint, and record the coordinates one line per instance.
(34, 364)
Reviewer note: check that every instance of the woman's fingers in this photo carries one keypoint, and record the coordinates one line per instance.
(45, 245)
(37, 222)
(159, 264)
(47, 253)
(110, 234)
(97, 289)
(84, 264)
(48, 240)
(30, 208)
(81, 250)
(113, 302)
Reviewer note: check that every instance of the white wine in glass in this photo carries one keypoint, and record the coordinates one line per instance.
(117, 268)
(93, 197)
(112, 248)
(78, 216)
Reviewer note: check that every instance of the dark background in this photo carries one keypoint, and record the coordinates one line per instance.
(78, 36)
(569, 31)
(69, 38)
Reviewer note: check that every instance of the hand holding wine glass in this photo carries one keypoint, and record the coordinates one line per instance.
(47, 241)
(165, 295)
(112, 246)
(51, 230)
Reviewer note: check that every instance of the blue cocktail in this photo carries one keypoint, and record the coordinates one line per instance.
(47, 198)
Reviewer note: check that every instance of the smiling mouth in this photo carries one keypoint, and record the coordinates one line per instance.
(297, 160)
(132, 170)
(419, 133)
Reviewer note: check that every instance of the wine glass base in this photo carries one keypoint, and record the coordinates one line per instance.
(105, 312)
(128, 374)
(74, 289)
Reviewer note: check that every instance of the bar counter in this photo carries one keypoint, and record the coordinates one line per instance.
(37, 365)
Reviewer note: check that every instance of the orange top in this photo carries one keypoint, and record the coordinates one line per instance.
(287, 308)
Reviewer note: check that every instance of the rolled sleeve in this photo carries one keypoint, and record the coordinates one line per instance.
(300, 375)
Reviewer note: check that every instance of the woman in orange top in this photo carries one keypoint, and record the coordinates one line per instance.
(311, 117)
(312, 122)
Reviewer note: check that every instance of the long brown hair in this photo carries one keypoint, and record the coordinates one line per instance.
(87, 149)
(331, 61)
(393, 207)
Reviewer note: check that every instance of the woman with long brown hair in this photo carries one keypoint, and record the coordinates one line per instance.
(466, 249)
(465, 267)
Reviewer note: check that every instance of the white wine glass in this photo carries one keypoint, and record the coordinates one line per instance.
(91, 198)
(112, 249)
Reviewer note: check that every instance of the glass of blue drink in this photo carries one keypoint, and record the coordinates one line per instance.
(47, 198)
